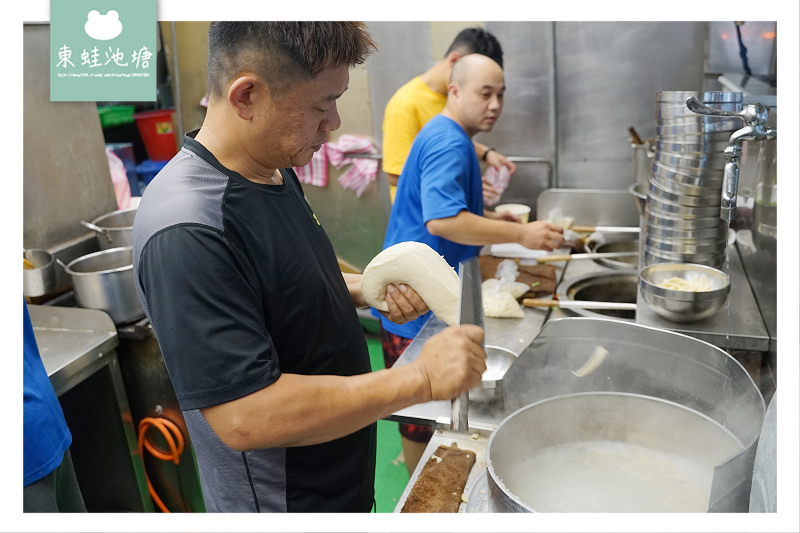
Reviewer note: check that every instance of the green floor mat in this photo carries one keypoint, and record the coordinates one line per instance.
(391, 476)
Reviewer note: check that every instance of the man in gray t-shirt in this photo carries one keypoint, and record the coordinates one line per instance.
(255, 321)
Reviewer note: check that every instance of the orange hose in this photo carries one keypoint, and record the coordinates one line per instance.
(168, 429)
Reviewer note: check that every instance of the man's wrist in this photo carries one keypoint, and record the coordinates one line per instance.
(486, 153)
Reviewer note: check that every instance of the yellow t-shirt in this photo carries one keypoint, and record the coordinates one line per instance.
(410, 108)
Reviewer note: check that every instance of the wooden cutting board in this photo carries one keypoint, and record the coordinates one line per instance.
(544, 275)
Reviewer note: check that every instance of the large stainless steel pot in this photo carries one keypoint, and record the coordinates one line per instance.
(115, 229)
(651, 362)
(605, 452)
(104, 280)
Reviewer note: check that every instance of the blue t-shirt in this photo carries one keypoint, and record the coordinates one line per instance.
(45, 434)
(441, 177)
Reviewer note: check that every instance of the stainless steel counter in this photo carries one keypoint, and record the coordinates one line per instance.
(73, 343)
(737, 326)
(78, 349)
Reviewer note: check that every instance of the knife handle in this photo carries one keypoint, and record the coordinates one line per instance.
(553, 258)
(582, 229)
(539, 302)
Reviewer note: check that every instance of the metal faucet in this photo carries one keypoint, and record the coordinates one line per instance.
(755, 117)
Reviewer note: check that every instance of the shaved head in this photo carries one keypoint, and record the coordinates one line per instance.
(473, 65)
(475, 93)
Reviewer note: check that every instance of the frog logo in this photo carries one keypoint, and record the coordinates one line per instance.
(103, 27)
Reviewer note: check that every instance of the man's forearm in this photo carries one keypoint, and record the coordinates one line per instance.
(474, 230)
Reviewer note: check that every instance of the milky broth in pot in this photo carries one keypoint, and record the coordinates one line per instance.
(607, 476)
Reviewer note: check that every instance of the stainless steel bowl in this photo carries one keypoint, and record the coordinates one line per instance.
(692, 146)
(705, 123)
(655, 218)
(680, 129)
(714, 161)
(674, 97)
(713, 189)
(689, 176)
(685, 246)
(683, 306)
(712, 260)
(659, 232)
(665, 134)
(655, 191)
(661, 207)
(714, 98)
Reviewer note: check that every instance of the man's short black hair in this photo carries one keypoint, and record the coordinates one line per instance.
(282, 52)
(477, 41)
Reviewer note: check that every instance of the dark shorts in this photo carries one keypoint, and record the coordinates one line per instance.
(393, 347)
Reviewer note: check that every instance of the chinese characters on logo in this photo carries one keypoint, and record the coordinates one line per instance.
(94, 58)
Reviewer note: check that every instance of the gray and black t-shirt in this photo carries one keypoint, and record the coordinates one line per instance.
(241, 283)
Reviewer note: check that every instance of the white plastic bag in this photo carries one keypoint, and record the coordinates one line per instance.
(498, 179)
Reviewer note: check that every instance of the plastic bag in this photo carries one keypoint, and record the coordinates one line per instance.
(498, 179)
(119, 178)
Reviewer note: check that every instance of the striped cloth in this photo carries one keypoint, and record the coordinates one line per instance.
(316, 171)
(363, 171)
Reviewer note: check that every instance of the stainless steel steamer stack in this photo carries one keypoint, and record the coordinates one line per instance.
(681, 220)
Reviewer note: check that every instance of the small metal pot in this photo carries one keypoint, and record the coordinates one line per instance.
(41, 279)
(115, 229)
(104, 280)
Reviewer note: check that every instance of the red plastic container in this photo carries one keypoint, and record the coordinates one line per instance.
(157, 130)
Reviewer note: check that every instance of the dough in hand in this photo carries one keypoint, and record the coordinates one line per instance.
(420, 267)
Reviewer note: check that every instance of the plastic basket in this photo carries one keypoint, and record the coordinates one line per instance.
(115, 115)
(158, 133)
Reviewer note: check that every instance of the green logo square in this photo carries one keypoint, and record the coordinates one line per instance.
(103, 50)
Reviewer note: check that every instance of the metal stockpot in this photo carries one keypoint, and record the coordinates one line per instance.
(40, 279)
(104, 280)
(113, 229)
(681, 372)
(625, 421)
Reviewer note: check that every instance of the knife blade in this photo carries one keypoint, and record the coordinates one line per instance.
(470, 311)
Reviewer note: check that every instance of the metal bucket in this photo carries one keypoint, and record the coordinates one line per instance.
(667, 372)
(104, 280)
(41, 279)
(115, 229)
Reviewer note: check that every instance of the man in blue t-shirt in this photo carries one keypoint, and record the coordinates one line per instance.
(439, 199)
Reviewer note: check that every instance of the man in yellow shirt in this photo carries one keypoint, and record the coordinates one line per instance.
(423, 97)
